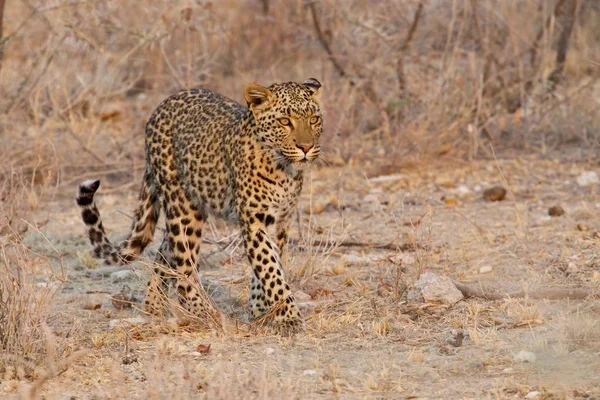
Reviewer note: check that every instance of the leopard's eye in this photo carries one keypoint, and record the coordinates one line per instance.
(285, 121)
(314, 120)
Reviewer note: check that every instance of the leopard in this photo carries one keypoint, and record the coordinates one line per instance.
(206, 154)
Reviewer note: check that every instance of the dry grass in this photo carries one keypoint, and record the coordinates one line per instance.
(78, 89)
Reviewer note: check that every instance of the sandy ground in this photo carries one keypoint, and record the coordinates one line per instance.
(364, 338)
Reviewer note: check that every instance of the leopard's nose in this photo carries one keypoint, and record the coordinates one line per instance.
(305, 147)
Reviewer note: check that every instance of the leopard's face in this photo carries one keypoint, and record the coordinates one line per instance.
(288, 119)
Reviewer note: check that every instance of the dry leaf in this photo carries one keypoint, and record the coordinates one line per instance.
(110, 115)
(450, 201)
(202, 348)
(319, 292)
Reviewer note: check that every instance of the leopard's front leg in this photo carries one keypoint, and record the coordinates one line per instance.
(269, 290)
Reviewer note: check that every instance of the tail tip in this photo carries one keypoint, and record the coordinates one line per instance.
(86, 192)
(89, 186)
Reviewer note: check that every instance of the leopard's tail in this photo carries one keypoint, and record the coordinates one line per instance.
(142, 230)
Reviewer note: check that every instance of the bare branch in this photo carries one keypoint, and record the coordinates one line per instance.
(563, 43)
(404, 47)
(1, 31)
(324, 43)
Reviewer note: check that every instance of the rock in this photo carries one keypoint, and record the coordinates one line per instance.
(301, 296)
(462, 190)
(92, 306)
(507, 370)
(496, 193)
(413, 295)
(124, 299)
(123, 275)
(485, 269)
(532, 395)
(525, 356)
(309, 372)
(456, 337)
(582, 227)
(126, 322)
(438, 289)
(269, 350)
(556, 211)
(588, 178)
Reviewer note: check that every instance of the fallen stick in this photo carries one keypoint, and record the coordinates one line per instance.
(548, 294)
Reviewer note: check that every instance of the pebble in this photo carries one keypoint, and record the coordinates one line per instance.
(532, 395)
(309, 372)
(525, 356)
(485, 269)
(496, 193)
(123, 275)
(462, 190)
(301, 296)
(269, 350)
(556, 211)
(588, 178)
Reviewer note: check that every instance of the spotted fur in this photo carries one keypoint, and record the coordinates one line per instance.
(206, 154)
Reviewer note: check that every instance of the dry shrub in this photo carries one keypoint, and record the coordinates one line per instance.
(582, 332)
(25, 298)
(80, 78)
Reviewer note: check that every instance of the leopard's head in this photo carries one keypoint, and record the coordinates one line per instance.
(288, 119)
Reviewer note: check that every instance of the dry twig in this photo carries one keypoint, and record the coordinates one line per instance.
(405, 45)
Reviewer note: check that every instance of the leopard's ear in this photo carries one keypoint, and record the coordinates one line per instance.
(314, 86)
(258, 97)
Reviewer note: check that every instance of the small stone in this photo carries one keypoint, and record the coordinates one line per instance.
(301, 296)
(462, 190)
(123, 299)
(507, 370)
(269, 350)
(532, 395)
(485, 269)
(309, 372)
(120, 276)
(525, 356)
(556, 211)
(588, 178)
(126, 322)
(456, 337)
(496, 193)
(582, 227)
(92, 306)
(438, 289)
(120, 301)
